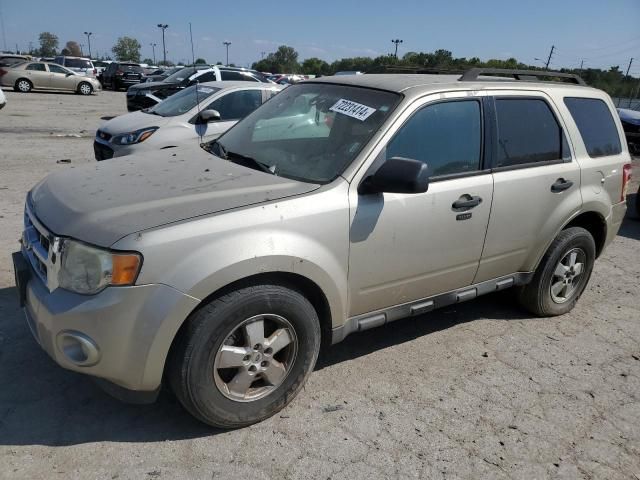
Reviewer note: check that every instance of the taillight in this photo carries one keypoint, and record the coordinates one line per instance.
(119, 72)
(626, 177)
(2, 72)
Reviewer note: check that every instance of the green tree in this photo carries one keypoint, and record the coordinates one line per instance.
(72, 48)
(148, 61)
(127, 48)
(201, 61)
(48, 44)
(283, 60)
(315, 66)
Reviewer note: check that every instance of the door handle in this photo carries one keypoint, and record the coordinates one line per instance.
(466, 201)
(560, 185)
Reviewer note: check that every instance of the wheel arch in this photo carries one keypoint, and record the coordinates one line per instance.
(594, 223)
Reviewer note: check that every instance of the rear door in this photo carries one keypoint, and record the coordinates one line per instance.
(536, 182)
(38, 75)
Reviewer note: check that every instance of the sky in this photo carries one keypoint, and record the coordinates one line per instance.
(602, 32)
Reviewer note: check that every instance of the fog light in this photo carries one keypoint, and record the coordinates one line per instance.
(78, 348)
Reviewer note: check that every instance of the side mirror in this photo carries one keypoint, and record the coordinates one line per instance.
(397, 175)
(207, 116)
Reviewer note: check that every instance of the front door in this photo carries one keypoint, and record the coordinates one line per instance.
(232, 107)
(61, 78)
(536, 183)
(405, 247)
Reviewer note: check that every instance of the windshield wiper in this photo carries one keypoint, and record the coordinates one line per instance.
(249, 162)
(149, 111)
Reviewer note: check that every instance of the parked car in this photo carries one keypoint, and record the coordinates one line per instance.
(199, 113)
(119, 75)
(28, 76)
(9, 60)
(147, 95)
(349, 72)
(78, 65)
(3, 100)
(160, 74)
(631, 124)
(100, 67)
(224, 269)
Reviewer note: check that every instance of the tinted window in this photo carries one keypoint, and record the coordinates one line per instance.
(130, 67)
(527, 132)
(36, 66)
(77, 63)
(181, 74)
(183, 101)
(228, 75)
(58, 69)
(594, 120)
(446, 136)
(237, 105)
(206, 77)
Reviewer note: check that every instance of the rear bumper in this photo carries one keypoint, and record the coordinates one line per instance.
(121, 335)
(614, 221)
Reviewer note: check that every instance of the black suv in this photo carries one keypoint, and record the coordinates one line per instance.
(122, 75)
(148, 94)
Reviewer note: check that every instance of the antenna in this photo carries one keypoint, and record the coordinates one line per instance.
(193, 62)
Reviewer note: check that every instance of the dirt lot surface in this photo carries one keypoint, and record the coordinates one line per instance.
(479, 390)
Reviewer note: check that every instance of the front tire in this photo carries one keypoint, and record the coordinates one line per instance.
(23, 85)
(85, 88)
(562, 275)
(245, 355)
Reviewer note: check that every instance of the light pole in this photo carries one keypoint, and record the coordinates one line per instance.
(153, 47)
(396, 42)
(82, 49)
(88, 34)
(226, 44)
(163, 26)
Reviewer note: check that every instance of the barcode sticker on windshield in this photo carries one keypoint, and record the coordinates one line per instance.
(352, 109)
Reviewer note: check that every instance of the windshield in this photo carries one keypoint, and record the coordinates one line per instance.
(183, 101)
(309, 132)
(180, 75)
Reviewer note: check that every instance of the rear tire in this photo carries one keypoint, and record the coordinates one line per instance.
(85, 88)
(261, 376)
(562, 275)
(23, 85)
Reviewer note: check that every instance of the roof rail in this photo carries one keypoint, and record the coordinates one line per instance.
(522, 75)
(414, 69)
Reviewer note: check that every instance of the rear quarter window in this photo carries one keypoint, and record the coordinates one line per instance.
(595, 123)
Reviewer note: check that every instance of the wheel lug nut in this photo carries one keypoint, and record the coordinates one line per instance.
(264, 364)
(256, 346)
(246, 357)
(252, 368)
(268, 351)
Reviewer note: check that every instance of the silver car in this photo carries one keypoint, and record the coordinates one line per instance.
(198, 113)
(342, 204)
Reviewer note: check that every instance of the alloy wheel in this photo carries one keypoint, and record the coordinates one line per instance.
(567, 275)
(255, 358)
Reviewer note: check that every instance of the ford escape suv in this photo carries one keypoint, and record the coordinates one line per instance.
(340, 204)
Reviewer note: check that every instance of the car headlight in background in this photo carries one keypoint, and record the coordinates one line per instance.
(87, 270)
(134, 137)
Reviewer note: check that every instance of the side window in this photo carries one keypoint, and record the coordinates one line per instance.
(206, 77)
(527, 132)
(237, 105)
(36, 66)
(596, 126)
(57, 69)
(446, 136)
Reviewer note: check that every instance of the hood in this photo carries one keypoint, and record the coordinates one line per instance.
(152, 86)
(130, 122)
(103, 202)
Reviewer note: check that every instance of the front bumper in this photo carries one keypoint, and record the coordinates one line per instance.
(125, 332)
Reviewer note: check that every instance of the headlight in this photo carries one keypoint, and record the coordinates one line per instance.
(134, 137)
(87, 270)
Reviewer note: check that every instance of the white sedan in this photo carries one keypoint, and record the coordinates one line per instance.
(199, 113)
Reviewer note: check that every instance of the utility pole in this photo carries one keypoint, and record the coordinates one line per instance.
(396, 42)
(226, 44)
(153, 47)
(581, 64)
(626, 75)
(81, 49)
(553, 47)
(88, 34)
(262, 55)
(163, 26)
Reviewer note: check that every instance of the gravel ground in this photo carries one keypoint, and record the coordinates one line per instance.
(479, 390)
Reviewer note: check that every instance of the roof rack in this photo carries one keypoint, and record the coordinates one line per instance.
(522, 75)
(414, 69)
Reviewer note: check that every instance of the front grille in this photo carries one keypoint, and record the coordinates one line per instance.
(36, 245)
(102, 152)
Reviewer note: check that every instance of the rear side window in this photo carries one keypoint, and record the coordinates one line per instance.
(131, 67)
(528, 132)
(596, 126)
(231, 75)
(446, 136)
(36, 66)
